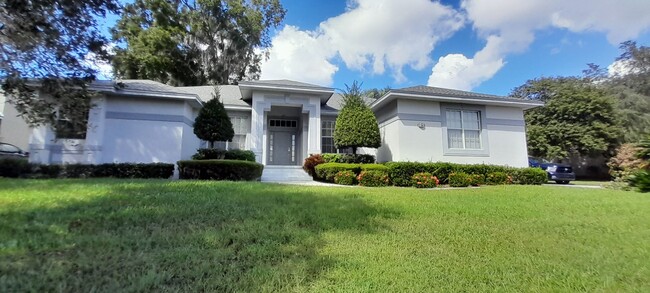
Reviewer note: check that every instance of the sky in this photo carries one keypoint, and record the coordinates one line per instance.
(477, 45)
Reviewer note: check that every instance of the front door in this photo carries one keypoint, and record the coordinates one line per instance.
(282, 148)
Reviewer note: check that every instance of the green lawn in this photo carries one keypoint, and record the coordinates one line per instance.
(120, 235)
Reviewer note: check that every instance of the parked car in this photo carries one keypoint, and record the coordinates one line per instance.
(560, 173)
(11, 151)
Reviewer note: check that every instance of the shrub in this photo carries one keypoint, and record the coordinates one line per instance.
(530, 176)
(327, 171)
(460, 179)
(311, 162)
(345, 178)
(356, 124)
(349, 158)
(234, 170)
(373, 178)
(641, 181)
(476, 179)
(424, 180)
(625, 163)
(14, 167)
(48, 171)
(498, 178)
(213, 124)
(215, 154)
(119, 170)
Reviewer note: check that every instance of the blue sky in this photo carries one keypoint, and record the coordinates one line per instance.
(484, 46)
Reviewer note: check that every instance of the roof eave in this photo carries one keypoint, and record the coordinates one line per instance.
(246, 90)
(525, 105)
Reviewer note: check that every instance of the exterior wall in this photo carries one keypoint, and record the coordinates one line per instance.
(14, 129)
(123, 129)
(416, 131)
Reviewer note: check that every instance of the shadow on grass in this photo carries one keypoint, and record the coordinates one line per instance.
(177, 236)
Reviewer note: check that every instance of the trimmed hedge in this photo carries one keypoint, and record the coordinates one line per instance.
(373, 178)
(345, 178)
(424, 180)
(498, 178)
(530, 176)
(21, 168)
(215, 154)
(349, 158)
(14, 167)
(234, 170)
(328, 171)
(460, 179)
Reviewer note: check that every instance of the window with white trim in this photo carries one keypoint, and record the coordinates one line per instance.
(240, 124)
(327, 139)
(464, 129)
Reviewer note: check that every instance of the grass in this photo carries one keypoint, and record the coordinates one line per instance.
(121, 235)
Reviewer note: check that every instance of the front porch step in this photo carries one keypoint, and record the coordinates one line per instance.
(285, 174)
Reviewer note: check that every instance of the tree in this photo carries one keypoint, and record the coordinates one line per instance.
(579, 118)
(356, 125)
(195, 42)
(49, 43)
(630, 88)
(213, 124)
(375, 93)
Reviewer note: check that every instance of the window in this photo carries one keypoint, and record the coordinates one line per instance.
(241, 126)
(327, 138)
(65, 128)
(464, 129)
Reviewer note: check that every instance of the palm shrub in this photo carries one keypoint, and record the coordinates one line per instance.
(356, 125)
(213, 124)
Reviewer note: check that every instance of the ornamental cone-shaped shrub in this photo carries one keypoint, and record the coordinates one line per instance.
(213, 124)
(356, 125)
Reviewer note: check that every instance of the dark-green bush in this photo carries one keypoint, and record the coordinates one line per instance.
(215, 154)
(373, 178)
(234, 170)
(460, 179)
(349, 158)
(327, 171)
(641, 181)
(530, 176)
(498, 178)
(345, 178)
(402, 172)
(116, 170)
(14, 167)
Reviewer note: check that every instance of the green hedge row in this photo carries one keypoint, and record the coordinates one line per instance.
(235, 170)
(328, 171)
(401, 172)
(21, 168)
(349, 158)
(215, 154)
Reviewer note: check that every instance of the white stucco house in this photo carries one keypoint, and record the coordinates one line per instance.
(284, 121)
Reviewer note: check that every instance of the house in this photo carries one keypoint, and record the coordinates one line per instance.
(284, 121)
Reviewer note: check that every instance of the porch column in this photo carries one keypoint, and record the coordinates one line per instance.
(257, 128)
(314, 141)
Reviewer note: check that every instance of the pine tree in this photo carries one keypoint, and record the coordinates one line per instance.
(213, 124)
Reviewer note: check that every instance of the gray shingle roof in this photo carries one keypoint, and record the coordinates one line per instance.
(422, 89)
(142, 85)
(230, 94)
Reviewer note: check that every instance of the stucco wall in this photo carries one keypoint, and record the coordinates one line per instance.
(14, 129)
(413, 131)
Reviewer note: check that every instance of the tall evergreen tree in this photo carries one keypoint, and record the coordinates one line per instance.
(579, 118)
(195, 42)
(49, 42)
(356, 125)
(213, 124)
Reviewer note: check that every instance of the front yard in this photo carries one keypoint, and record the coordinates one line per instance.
(150, 235)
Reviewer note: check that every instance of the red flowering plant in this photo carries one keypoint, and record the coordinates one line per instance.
(424, 180)
(373, 178)
(345, 178)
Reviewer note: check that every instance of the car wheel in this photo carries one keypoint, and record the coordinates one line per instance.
(562, 182)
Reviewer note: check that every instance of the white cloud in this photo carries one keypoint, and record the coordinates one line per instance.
(509, 27)
(300, 55)
(103, 67)
(371, 36)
